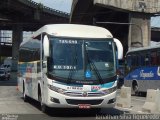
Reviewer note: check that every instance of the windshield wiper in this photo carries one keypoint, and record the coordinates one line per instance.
(93, 66)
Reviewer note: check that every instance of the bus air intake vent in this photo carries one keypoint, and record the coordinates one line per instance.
(91, 102)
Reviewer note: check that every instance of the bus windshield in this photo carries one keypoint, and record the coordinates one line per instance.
(82, 61)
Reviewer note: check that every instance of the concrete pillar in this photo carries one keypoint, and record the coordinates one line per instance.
(139, 30)
(152, 103)
(0, 49)
(17, 36)
(124, 100)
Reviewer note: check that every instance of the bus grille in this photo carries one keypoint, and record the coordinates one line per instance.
(80, 94)
(91, 102)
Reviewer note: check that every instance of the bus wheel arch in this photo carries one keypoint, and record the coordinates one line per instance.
(25, 97)
(135, 87)
(43, 107)
(39, 93)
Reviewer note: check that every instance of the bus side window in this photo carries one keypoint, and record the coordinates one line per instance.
(158, 57)
(133, 60)
(136, 60)
(129, 60)
(153, 58)
(142, 60)
(147, 59)
(139, 60)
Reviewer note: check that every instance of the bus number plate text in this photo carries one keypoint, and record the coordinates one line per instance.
(84, 106)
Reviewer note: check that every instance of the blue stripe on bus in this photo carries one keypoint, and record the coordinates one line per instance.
(106, 85)
(144, 73)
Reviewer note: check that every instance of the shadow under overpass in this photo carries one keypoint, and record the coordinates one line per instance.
(5, 50)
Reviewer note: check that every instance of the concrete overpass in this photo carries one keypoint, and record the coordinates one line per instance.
(128, 20)
(26, 15)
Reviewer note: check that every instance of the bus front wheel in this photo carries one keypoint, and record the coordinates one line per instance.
(25, 97)
(43, 107)
(135, 88)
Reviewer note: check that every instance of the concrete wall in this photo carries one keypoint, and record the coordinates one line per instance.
(147, 6)
(17, 35)
(139, 31)
(138, 20)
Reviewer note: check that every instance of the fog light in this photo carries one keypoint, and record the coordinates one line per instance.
(111, 101)
(55, 100)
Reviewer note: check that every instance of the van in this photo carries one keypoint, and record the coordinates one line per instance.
(4, 75)
(7, 64)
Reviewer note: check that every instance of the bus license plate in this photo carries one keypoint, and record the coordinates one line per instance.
(84, 106)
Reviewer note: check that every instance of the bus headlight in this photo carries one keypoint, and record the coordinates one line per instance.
(56, 89)
(110, 90)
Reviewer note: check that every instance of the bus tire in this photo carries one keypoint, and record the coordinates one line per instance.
(43, 107)
(135, 88)
(25, 97)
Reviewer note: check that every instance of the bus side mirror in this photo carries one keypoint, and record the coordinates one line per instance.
(119, 48)
(46, 46)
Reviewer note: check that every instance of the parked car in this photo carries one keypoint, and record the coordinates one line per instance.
(4, 75)
(7, 67)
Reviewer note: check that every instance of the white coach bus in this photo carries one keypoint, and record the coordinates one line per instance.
(69, 66)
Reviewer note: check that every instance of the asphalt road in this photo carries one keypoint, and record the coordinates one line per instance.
(12, 106)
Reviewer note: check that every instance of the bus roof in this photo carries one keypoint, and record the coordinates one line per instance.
(73, 30)
(143, 48)
(32, 44)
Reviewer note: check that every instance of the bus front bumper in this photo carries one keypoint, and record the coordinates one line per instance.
(57, 100)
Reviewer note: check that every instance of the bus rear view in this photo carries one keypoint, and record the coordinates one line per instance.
(77, 67)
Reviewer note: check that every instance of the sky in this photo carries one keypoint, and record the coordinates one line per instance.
(62, 5)
(155, 21)
(65, 6)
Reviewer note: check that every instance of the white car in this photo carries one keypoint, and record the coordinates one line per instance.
(4, 75)
(7, 67)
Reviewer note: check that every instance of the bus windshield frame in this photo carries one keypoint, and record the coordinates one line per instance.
(75, 60)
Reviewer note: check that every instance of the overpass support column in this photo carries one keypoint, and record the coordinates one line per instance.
(17, 36)
(139, 30)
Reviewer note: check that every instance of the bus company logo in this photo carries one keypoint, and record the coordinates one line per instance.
(146, 75)
(84, 94)
(134, 76)
(68, 41)
(95, 87)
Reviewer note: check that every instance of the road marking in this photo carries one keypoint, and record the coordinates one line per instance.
(138, 99)
(140, 112)
(129, 109)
